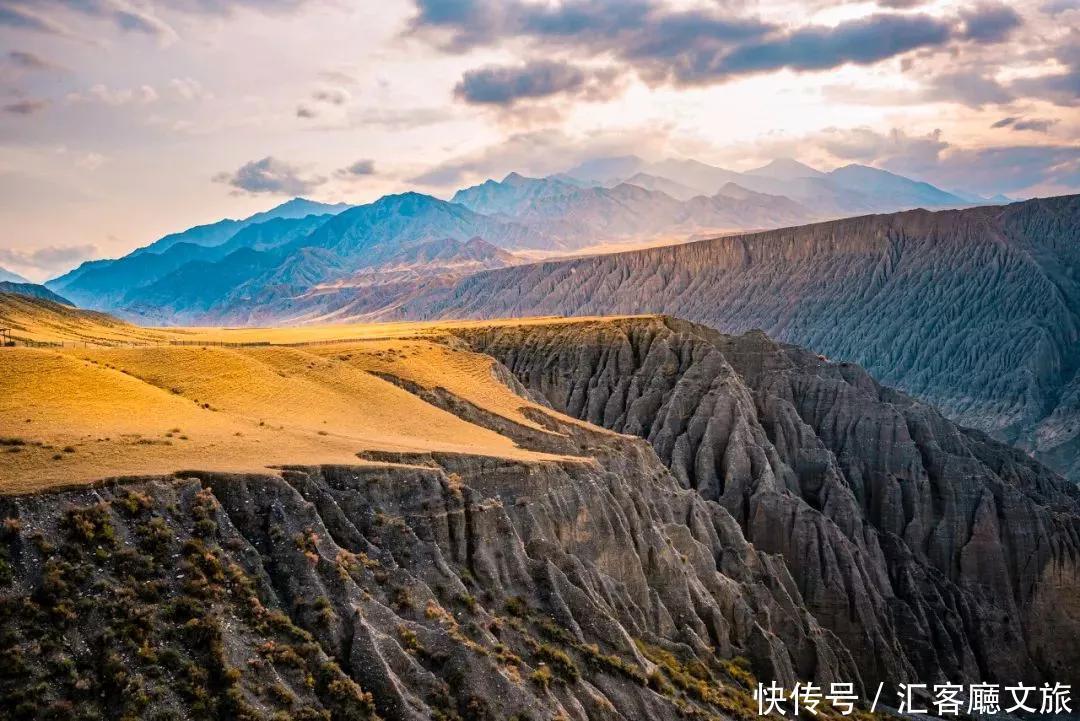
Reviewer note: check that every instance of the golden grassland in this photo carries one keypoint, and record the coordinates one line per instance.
(90, 411)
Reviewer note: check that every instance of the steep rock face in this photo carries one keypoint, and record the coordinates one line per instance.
(932, 551)
(976, 311)
(590, 588)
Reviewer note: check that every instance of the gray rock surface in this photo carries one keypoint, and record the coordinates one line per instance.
(932, 551)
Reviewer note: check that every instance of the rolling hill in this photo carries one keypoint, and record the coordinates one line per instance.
(33, 290)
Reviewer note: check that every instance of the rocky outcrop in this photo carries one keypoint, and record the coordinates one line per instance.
(975, 311)
(930, 550)
(407, 587)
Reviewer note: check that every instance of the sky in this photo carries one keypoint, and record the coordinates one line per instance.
(124, 120)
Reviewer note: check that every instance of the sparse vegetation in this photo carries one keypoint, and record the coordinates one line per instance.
(559, 661)
(145, 614)
(542, 677)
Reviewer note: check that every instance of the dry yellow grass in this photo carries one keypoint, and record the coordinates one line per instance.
(44, 321)
(81, 413)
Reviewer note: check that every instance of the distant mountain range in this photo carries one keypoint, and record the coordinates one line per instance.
(263, 266)
(103, 284)
(278, 263)
(850, 190)
(6, 276)
(568, 216)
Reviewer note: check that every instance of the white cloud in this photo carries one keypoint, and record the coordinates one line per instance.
(101, 93)
(189, 89)
(91, 161)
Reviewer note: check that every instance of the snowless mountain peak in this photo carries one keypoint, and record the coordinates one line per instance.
(786, 169)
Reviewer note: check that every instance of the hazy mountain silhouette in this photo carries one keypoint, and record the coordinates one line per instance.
(853, 189)
(9, 277)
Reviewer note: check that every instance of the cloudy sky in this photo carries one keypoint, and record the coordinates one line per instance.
(122, 120)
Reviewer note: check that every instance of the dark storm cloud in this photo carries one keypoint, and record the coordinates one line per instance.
(989, 23)
(505, 85)
(700, 46)
(635, 30)
(1038, 125)
(970, 88)
(1061, 88)
(861, 42)
(358, 169)
(271, 176)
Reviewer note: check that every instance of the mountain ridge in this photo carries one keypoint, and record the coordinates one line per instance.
(207, 236)
(930, 302)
